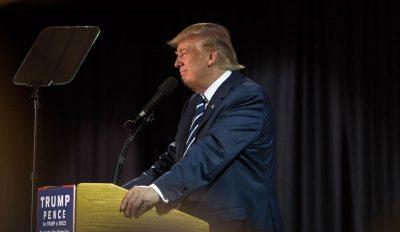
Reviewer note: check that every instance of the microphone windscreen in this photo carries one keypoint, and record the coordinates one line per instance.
(168, 86)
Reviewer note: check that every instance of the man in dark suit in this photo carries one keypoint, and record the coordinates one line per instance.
(221, 167)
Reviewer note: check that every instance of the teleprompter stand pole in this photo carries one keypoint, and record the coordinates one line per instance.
(36, 105)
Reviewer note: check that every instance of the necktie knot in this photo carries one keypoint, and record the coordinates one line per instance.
(203, 98)
(201, 105)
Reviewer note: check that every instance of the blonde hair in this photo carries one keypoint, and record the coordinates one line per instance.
(214, 36)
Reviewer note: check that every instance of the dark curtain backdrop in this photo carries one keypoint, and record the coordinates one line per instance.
(331, 69)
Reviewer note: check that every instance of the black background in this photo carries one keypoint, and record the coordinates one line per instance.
(330, 67)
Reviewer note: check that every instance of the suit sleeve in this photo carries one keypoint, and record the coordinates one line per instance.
(237, 126)
(163, 164)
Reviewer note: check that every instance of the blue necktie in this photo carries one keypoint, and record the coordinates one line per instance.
(201, 106)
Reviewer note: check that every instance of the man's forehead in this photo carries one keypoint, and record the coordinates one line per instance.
(184, 45)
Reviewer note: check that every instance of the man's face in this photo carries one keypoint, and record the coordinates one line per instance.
(192, 63)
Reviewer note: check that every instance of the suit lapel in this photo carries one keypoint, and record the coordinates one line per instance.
(215, 101)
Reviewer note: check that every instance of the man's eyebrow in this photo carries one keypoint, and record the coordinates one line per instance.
(181, 50)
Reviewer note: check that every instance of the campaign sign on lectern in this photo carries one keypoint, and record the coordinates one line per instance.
(56, 208)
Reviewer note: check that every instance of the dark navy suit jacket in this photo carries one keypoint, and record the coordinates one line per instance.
(228, 174)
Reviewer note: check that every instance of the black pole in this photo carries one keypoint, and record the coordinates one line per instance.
(122, 157)
(36, 106)
(140, 125)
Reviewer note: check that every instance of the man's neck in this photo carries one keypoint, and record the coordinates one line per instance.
(211, 79)
(209, 93)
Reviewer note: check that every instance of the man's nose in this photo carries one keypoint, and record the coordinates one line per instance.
(178, 63)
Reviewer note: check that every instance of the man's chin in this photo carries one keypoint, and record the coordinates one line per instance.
(189, 84)
(185, 81)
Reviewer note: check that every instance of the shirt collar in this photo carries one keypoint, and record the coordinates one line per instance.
(214, 86)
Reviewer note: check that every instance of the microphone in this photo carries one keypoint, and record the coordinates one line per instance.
(164, 89)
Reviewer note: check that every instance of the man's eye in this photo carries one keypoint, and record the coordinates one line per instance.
(181, 53)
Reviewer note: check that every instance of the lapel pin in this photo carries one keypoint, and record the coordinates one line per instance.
(212, 106)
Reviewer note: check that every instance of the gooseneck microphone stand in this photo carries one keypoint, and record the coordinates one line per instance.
(134, 128)
(142, 119)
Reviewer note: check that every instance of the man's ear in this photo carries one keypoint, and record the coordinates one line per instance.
(212, 59)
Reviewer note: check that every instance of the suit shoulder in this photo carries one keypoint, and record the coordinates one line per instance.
(246, 86)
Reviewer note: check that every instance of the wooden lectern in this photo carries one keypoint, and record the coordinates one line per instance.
(97, 209)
